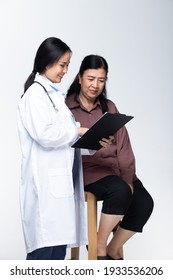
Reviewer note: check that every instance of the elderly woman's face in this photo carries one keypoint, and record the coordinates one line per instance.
(92, 83)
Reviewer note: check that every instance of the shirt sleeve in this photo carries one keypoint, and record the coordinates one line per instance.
(126, 159)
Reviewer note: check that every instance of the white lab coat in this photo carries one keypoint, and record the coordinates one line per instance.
(52, 207)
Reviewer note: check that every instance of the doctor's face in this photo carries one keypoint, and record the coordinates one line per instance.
(55, 72)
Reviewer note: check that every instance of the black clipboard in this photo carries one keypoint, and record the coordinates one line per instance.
(106, 126)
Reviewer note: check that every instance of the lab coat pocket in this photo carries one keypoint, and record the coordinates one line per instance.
(60, 182)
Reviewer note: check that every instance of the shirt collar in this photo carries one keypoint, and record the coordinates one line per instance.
(50, 87)
(74, 102)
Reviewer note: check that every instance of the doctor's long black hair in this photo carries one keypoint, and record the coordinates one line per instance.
(90, 62)
(49, 52)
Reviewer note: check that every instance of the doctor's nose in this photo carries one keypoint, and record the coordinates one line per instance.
(65, 69)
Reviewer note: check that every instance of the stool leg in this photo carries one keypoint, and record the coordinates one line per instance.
(75, 253)
(92, 226)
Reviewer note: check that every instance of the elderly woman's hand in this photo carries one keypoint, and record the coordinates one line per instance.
(106, 142)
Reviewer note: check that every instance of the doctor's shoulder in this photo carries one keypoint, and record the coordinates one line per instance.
(34, 93)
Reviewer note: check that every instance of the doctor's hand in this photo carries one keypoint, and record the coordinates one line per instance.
(106, 142)
(82, 130)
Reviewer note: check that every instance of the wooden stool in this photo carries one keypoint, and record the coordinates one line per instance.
(92, 229)
(92, 225)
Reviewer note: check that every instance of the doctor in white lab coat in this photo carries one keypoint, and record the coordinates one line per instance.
(51, 191)
(51, 195)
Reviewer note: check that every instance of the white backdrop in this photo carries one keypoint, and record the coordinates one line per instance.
(136, 38)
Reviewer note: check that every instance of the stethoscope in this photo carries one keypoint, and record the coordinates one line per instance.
(53, 104)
